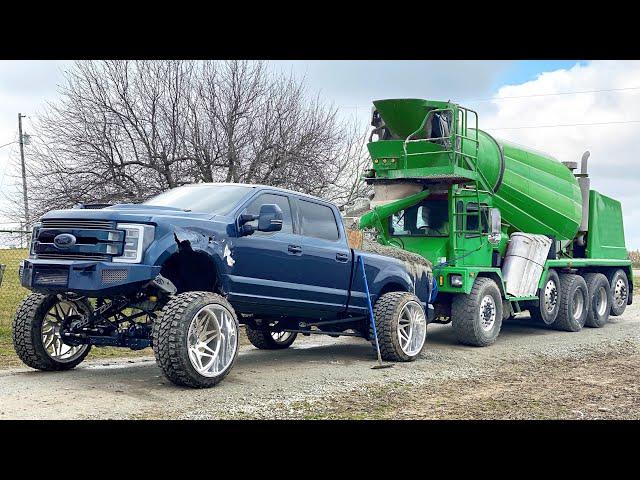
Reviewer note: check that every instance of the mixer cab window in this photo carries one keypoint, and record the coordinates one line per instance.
(472, 219)
(429, 218)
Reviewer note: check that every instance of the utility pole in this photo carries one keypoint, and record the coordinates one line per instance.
(24, 172)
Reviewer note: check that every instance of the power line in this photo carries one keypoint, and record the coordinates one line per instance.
(554, 94)
(577, 92)
(9, 155)
(7, 144)
(562, 125)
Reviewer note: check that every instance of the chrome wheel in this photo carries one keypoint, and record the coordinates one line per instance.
(620, 293)
(212, 340)
(56, 318)
(601, 301)
(487, 313)
(550, 296)
(412, 328)
(578, 304)
(281, 337)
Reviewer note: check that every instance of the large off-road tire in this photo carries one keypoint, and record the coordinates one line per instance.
(599, 299)
(477, 317)
(546, 311)
(619, 284)
(265, 339)
(36, 332)
(574, 303)
(195, 339)
(401, 325)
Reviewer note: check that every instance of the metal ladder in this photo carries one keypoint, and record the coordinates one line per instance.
(470, 162)
(458, 138)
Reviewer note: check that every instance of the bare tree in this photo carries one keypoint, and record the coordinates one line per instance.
(123, 131)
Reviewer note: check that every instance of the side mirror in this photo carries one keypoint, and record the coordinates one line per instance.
(269, 220)
(495, 222)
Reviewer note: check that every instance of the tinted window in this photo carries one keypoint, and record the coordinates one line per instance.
(281, 201)
(318, 221)
(218, 199)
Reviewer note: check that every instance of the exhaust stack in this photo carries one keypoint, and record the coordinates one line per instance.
(585, 184)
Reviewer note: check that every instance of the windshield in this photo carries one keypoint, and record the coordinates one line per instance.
(216, 199)
(429, 218)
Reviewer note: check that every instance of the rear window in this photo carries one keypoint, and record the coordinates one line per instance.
(318, 221)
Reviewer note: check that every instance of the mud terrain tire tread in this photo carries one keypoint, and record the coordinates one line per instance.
(169, 334)
(26, 338)
(385, 312)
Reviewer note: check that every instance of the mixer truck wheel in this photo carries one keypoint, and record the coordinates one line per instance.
(546, 311)
(477, 317)
(574, 303)
(619, 284)
(599, 299)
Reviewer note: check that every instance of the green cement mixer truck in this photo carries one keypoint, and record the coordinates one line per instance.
(507, 228)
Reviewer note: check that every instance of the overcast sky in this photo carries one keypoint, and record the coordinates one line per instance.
(546, 102)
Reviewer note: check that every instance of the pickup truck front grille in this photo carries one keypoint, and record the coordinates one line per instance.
(95, 240)
(84, 224)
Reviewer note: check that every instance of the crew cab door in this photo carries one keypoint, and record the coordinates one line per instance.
(264, 269)
(325, 257)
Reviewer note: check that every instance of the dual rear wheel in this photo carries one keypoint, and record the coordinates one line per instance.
(566, 302)
(569, 302)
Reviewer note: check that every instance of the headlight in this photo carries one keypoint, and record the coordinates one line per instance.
(34, 237)
(136, 240)
(455, 280)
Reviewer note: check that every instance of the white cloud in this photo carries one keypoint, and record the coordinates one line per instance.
(614, 148)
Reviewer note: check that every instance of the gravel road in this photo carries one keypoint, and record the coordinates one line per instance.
(319, 371)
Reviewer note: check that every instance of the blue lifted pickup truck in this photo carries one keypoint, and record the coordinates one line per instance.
(181, 271)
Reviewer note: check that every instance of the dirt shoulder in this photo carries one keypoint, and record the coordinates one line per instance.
(597, 386)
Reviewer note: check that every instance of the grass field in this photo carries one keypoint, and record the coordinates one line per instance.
(11, 293)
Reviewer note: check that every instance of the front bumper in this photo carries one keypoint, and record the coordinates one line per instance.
(89, 278)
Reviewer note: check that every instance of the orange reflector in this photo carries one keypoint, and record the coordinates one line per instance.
(441, 280)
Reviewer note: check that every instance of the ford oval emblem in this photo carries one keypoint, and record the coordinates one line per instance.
(64, 240)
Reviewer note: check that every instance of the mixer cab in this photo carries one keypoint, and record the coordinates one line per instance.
(422, 145)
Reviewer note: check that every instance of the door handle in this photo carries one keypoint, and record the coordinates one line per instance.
(294, 249)
(342, 257)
